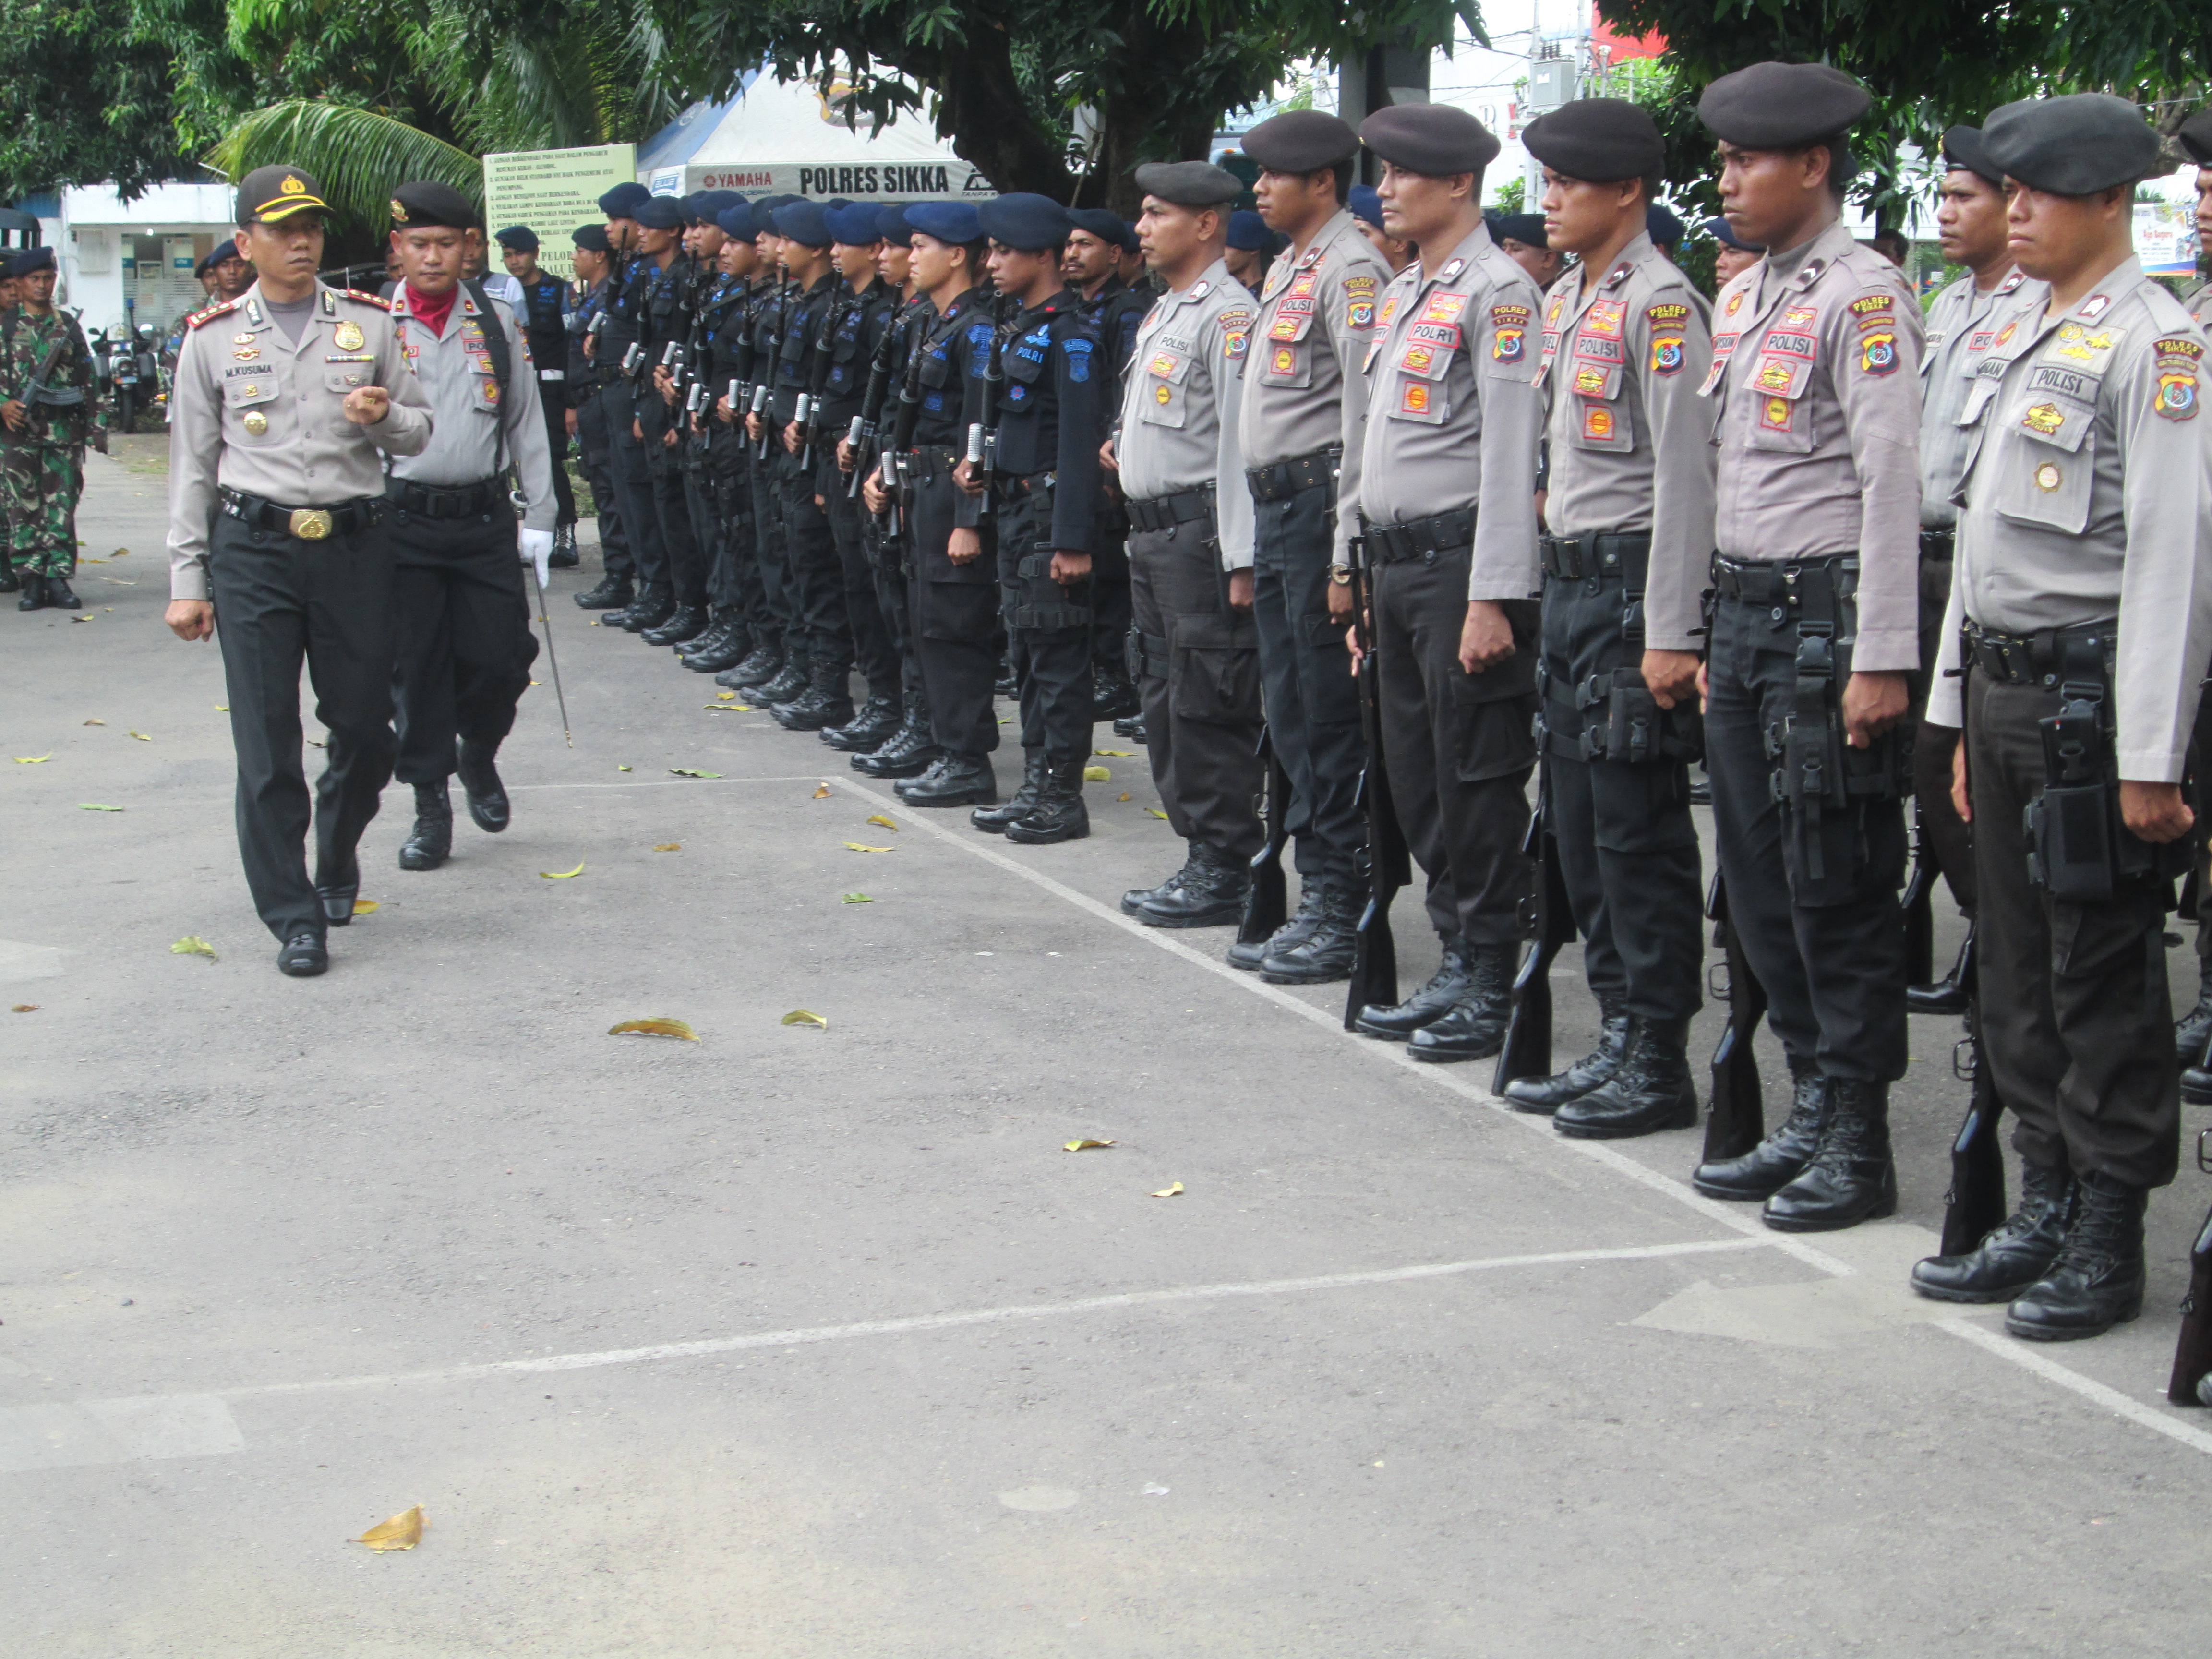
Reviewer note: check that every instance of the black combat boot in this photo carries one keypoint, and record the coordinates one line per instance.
(1948, 995)
(787, 683)
(2194, 1029)
(431, 840)
(909, 749)
(1851, 1177)
(564, 555)
(304, 955)
(760, 664)
(1211, 895)
(726, 652)
(1113, 695)
(1398, 1021)
(2012, 1255)
(10, 581)
(993, 820)
(1650, 1091)
(953, 779)
(1295, 931)
(1003, 681)
(486, 795)
(35, 593)
(613, 594)
(336, 889)
(1131, 727)
(867, 731)
(2097, 1282)
(685, 622)
(1137, 898)
(1474, 1027)
(1329, 951)
(59, 597)
(720, 625)
(1060, 813)
(824, 703)
(1772, 1165)
(654, 606)
(1542, 1096)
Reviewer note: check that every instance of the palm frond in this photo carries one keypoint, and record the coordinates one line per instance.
(357, 155)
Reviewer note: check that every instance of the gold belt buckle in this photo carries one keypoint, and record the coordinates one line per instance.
(310, 524)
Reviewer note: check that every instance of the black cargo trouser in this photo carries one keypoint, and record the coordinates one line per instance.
(955, 610)
(280, 601)
(1627, 848)
(1950, 841)
(2078, 1027)
(1113, 609)
(815, 580)
(597, 447)
(663, 467)
(1458, 746)
(772, 551)
(461, 622)
(1196, 663)
(552, 402)
(873, 654)
(1048, 625)
(633, 485)
(1312, 702)
(888, 557)
(734, 582)
(1830, 952)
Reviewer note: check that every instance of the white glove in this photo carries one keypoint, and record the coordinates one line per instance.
(538, 550)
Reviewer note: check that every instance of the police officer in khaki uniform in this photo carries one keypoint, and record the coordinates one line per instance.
(1303, 421)
(1446, 500)
(2196, 139)
(1814, 634)
(1195, 656)
(2082, 616)
(286, 400)
(1629, 514)
(2193, 1031)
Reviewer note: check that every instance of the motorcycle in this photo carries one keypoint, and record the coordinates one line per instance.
(128, 363)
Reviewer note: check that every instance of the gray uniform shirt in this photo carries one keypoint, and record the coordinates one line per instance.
(455, 368)
(2199, 305)
(1453, 415)
(1960, 325)
(1179, 402)
(1631, 445)
(1815, 388)
(2088, 496)
(1316, 317)
(262, 415)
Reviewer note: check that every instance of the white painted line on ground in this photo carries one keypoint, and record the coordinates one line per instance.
(2027, 1356)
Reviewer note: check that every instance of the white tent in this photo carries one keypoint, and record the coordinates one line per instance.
(775, 138)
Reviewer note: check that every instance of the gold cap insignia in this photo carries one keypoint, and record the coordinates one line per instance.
(292, 186)
(399, 211)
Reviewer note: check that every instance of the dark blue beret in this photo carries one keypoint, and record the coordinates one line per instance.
(1525, 228)
(215, 256)
(713, 204)
(1661, 225)
(803, 222)
(738, 221)
(30, 260)
(1023, 221)
(891, 226)
(591, 237)
(623, 201)
(1248, 231)
(1110, 228)
(522, 237)
(1366, 202)
(661, 212)
(953, 222)
(854, 224)
(1719, 231)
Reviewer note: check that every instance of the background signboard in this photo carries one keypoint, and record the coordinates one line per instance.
(552, 192)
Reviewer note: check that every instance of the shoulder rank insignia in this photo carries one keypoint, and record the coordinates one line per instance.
(1451, 270)
(368, 299)
(209, 313)
(2009, 283)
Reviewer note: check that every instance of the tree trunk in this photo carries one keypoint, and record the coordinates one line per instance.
(981, 110)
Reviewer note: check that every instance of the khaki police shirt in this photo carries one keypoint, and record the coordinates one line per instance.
(2088, 495)
(1316, 316)
(1631, 445)
(1816, 409)
(1960, 321)
(1453, 413)
(1179, 401)
(2199, 305)
(252, 411)
(455, 368)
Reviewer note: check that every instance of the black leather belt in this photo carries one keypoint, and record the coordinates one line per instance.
(469, 500)
(1756, 581)
(1938, 542)
(1166, 512)
(309, 524)
(1285, 479)
(1446, 532)
(2036, 659)
(1598, 553)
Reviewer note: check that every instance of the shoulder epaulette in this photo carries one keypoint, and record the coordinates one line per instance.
(380, 302)
(208, 315)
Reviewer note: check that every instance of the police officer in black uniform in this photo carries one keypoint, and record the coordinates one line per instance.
(717, 337)
(774, 670)
(586, 417)
(615, 353)
(664, 325)
(545, 306)
(1114, 309)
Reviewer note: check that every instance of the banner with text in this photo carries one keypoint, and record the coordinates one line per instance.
(553, 191)
(884, 181)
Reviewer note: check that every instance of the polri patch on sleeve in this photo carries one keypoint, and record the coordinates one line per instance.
(1666, 356)
(1878, 352)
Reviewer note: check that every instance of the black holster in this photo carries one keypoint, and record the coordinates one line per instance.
(2078, 849)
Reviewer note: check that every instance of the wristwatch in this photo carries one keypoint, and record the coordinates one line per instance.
(1340, 575)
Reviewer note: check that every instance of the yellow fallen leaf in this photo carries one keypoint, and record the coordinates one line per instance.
(562, 875)
(90, 560)
(95, 806)
(86, 618)
(537, 682)
(141, 737)
(878, 818)
(1124, 795)
(122, 552)
(688, 772)
(1083, 1145)
(1123, 753)
(657, 1027)
(726, 697)
(622, 768)
(1096, 774)
(192, 944)
(805, 1017)
(594, 622)
(1156, 812)
(668, 847)
(858, 898)
(25, 1008)
(1176, 1191)
(862, 847)
(820, 791)
(727, 708)
(32, 760)
(362, 907)
(403, 1532)
(219, 709)
(101, 722)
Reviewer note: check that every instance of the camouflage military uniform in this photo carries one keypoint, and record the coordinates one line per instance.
(42, 474)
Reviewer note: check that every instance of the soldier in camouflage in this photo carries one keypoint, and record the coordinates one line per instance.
(50, 410)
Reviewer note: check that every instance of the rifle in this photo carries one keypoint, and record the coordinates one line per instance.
(867, 426)
(1527, 1050)
(983, 434)
(1737, 1121)
(2192, 1351)
(1919, 902)
(1266, 904)
(763, 387)
(1975, 1201)
(1386, 866)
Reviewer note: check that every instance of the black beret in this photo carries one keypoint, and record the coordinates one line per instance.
(1662, 226)
(592, 239)
(520, 237)
(1597, 140)
(31, 260)
(623, 201)
(1434, 140)
(659, 213)
(1721, 231)
(1189, 183)
(2195, 135)
(1301, 141)
(805, 223)
(1024, 221)
(891, 226)
(1783, 106)
(1963, 148)
(272, 194)
(1527, 228)
(1108, 226)
(426, 204)
(2071, 146)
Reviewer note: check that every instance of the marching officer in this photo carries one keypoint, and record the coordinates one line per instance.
(1630, 511)
(1446, 501)
(1196, 654)
(1302, 425)
(1814, 636)
(544, 316)
(2081, 616)
(587, 418)
(286, 400)
(464, 646)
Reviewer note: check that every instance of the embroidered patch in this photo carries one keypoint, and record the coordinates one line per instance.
(1285, 361)
(1283, 328)
(2045, 418)
(1415, 398)
(1234, 343)
(1801, 316)
(1291, 305)
(1590, 382)
(1161, 394)
(1508, 345)
(1441, 308)
(1878, 353)
(2075, 343)
(1597, 421)
(2095, 307)
(1666, 313)
(1774, 375)
(1735, 304)
(1359, 315)
(1079, 358)
(1667, 353)
(1391, 310)
(2178, 353)
(1445, 335)
(1873, 310)
(2177, 396)
(1452, 269)
(1595, 350)
(1774, 414)
(1163, 362)
(1303, 284)
(1361, 288)
(1419, 359)
(1803, 347)
(1602, 319)
(2047, 379)
(2004, 334)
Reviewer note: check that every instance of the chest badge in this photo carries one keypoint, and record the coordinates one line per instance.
(241, 340)
(1161, 395)
(253, 389)
(348, 335)
(2045, 418)
(2046, 477)
(246, 354)
(256, 422)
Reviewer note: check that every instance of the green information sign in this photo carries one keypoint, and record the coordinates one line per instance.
(552, 192)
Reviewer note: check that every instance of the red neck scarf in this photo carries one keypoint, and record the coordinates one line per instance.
(431, 311)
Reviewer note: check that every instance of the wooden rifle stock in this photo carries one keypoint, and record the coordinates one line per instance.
(1385, 864)
(1737, 1121)
(1975, 1201)
(2192, 1353)
(1267, 905)
(1528, 1048)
